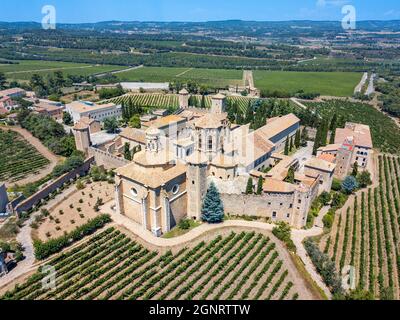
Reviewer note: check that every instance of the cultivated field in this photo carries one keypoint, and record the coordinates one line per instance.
(339, 84)
(211, 77)
(366, 233)
(18, 158)
(385, 132)
(157, 100)
(110, 265)
(25, 68)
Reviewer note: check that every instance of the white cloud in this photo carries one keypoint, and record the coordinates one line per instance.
(331, 3)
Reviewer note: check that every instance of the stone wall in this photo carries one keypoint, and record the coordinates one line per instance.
(262, 207)
(107, 160)
(33, 200)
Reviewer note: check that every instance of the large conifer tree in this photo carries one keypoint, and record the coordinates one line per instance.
(213, 208)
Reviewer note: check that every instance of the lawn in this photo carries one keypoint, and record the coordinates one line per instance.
(25, 68)
(339, 84)
(211, 77)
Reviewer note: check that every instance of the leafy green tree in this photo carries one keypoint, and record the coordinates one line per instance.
(260, 184)
(67, 119)
(134, 122)
(249, 187)
(283, 233)
(349, 184)
(360, 294)
(325, 198)
(213, 208)
(111, 125)
(364, 179)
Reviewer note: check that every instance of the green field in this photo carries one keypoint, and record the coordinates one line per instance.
(211, 77)
(25, 68)
(339, 84)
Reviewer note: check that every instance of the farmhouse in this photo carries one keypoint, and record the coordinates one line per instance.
(99, 112)
(52, 109)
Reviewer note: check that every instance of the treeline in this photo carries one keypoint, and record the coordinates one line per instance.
(390, 97)
(48, 131)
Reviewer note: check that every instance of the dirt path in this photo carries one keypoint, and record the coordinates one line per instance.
(42, 149)
(183, 73)
(103, 74)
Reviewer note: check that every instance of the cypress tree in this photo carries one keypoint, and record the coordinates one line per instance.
(213, 208)
(297, 140)
(127, 152)
(332, 128)
(203, 102)
(260, 185)
(249, 187)
(291, 145)
(287, 147)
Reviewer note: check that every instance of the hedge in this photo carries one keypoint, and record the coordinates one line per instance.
(46, 249)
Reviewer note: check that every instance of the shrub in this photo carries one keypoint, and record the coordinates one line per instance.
(283, 233)
(184, 224)
(336, 185)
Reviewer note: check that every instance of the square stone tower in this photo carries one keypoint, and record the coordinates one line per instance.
(183, 99)
(218, 103)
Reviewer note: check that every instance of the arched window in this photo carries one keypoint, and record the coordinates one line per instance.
(175, 189)
(134, 192)
(200, 142)
(210, 143)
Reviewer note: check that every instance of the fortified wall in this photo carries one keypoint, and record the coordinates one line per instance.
(33, 200)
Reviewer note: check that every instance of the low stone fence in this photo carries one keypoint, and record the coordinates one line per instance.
(36, 198)
(107, 160)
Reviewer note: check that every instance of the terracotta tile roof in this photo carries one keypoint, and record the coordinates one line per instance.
(164, 121)
(361, 134)
(280, 171)
(327, 157)
(277, 186)
(11, 91)
(152, 177)
(82, 107)
(330, 147)
(224, 162)
(212, 121)
(320, 164)
(276, 125)
(134, 135)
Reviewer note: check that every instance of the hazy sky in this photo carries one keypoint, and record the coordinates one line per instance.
(196, 10)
